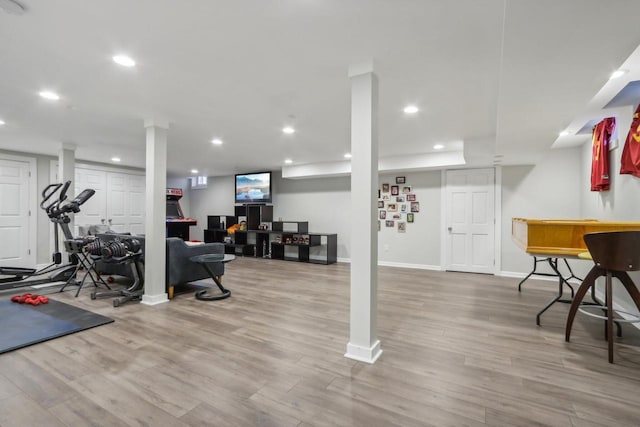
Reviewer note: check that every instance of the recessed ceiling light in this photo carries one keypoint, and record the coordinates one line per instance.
(347, 155)
(194, 170)
(564, 133)
(52, 96)
(288, 161)
(216, 141)
(617, 73)
(411, 109)
(115, 159)
(2, 123)
(288, 130)
(438, 147)
(124, 60)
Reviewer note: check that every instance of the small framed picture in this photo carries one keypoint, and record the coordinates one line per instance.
(411, 197)
(395, 190)
(389, 223)
(409, 217)
(385, 188)
(392, 207)
(396, 216)
(403, 207)
(380, 204)
(400, 199)
(406, 189)
(402, 227)
(401, 179)
(415, 206)
(386, 197)
(383, 214)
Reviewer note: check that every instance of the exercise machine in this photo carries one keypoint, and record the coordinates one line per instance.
(58, 212)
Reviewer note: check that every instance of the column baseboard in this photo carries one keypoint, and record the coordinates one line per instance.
(154, 299)
(364, 354)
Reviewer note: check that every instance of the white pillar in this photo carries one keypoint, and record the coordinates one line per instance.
(67, 172)
(155, 213)
(363, 342)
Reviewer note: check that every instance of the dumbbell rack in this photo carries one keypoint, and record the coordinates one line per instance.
(133, 292)
(84, 261)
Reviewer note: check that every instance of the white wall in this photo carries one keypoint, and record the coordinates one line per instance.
(620, 203)
(324, 202)
(550, 189)
(216, 199)
(420, 245)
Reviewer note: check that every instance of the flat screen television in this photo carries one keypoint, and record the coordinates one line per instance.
(253, 187)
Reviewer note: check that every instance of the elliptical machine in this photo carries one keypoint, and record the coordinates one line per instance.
(57, 211)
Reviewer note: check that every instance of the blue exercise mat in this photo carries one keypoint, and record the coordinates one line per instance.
(24, 324)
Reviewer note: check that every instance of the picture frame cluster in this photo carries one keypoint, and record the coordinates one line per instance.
(397, 205)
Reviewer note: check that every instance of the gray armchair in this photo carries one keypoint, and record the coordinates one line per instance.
(179, 269)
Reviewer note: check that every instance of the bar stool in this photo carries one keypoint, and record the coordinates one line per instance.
(614, 253)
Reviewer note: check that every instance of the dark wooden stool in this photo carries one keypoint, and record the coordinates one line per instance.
(614, 253)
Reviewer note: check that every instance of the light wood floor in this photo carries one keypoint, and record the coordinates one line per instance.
(459, 350)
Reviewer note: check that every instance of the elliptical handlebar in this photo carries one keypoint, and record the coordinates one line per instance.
(49, 191)
(73, 206)
(63, 192)
(56, 209)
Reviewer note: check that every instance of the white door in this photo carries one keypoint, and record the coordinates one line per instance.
(136, 203)
(94, 210)
(125, 204)
(470, 220)
(15, 233)
(117, 202)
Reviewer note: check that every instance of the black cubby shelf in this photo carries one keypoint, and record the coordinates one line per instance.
(317, 248)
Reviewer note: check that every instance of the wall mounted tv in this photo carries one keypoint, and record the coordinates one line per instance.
(253, 187)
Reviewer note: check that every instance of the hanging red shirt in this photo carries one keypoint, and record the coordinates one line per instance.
(600, 155)
(630, 161)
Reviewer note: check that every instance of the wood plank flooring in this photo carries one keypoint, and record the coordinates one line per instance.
(459, 350)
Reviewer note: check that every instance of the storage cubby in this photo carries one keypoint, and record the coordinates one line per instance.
(291, 226)
(255, 214)
(286, 240)
(217, 227)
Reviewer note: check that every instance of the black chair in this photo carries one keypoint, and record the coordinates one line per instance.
(614, 253)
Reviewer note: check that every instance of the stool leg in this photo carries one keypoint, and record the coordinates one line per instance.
(588, 281)
(629, 286)
(609, 297)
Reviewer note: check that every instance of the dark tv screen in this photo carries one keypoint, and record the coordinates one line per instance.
(253, 187)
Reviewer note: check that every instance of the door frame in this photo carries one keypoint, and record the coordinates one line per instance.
(32, 202)
(497, 206)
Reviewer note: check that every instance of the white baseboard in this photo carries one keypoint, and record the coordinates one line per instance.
(364, 354)
(407, 265)
(400, 265)
(154, 299)
(518, 275)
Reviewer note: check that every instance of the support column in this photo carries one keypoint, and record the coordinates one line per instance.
(155, 213)
(66, 172)
(363, 343)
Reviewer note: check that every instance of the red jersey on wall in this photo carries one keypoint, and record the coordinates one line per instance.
(600, 155)
(630, 161)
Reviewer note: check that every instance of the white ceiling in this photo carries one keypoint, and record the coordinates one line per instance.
(503, 76)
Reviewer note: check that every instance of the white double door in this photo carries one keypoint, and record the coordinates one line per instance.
(118, 201)
(470, 220)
